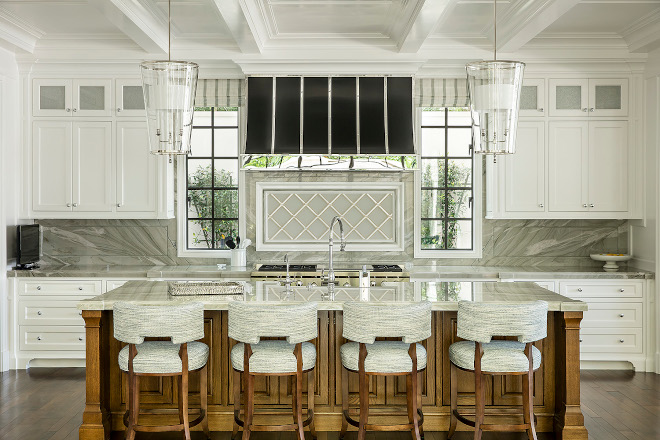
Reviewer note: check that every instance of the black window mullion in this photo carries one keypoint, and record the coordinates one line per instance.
(445, 223)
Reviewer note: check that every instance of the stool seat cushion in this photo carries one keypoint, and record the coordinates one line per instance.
(382, 357)
(498, 357)
(273, 357)
(162, 357)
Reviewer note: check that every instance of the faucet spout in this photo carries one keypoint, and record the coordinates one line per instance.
(342, 247)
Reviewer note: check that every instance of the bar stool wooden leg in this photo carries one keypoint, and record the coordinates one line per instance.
(294, 400)
(310, 402)
(203, 398)
(364, 394)
(179, 382)
(249, 405)
(479, 392)
(411, 392)
(237, 401)
(344, 401)
(453, 405)
(419, 402)
(133, 404)
(184, 402)
(299, 387)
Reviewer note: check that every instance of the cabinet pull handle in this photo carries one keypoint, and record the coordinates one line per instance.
(621, 315)
(585, 110)
(39, 312)
(38, 287)
(579, 289)
(622, 290)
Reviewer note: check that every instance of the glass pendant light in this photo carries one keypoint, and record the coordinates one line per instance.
(169, 98)
(494, 91)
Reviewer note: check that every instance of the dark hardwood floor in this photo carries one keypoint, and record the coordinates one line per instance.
(47, 404)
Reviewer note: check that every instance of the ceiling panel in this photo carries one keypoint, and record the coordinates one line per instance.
(61, 17)
(472, 17)
(330, 16)
(196, 17)
(601, 17)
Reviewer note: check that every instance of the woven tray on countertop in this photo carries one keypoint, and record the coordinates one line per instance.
(205, 288)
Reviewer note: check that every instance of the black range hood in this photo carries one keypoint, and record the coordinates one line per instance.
(330, 115)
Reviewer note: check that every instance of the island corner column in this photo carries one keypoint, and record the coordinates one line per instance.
(96, 423)
(569, 420)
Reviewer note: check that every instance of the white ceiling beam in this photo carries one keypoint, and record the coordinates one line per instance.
(140, 24)
(527, 19)
(426, 17)
(644, 35)
(17, 32)
(240, 26)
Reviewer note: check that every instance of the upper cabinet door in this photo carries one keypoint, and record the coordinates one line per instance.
(568, 156)
(129, 99)
(51, 97)
(608, 97)
(608, 166)
(51, 166)
(92, 167)
(92, 97)
(524, 172)
(136, 169)
(569, 97)
(532, 97)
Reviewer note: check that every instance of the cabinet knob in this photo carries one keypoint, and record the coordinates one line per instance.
(541, 110)
(68, 109)
(118, 109)
(621, 340)
(38, 287)
(118, 205)
(39, 312)
(591, 205)
(75, 205)
(80, 313)
(585, 110)
(584, 205)
(80, 288)
(38, 338)
(579, 289)
(68, 205)
(80, 338)
(75, 109)
(622, 290)
(621, 315)
(580, 340)
(540, 205)
(592, 109)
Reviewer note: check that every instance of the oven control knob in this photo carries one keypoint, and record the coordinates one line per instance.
(347, 284)
(372, 284)
(299, 283)
(313, 285)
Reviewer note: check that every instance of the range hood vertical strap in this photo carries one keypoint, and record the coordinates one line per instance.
(329, 115)
(412, 112)
(272, 136)
(387, 140)
(302, 111)
(357, 113)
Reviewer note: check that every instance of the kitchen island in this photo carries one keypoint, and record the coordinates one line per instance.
(556, 390)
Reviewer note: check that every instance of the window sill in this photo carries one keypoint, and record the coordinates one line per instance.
(419, 253)
(194, 253)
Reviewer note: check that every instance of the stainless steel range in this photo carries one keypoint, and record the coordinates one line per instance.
(311, 274)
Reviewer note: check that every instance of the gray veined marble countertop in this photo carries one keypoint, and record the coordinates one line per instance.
(416, 272)
(443, 295)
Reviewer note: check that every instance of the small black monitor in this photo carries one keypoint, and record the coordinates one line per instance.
(29, 238)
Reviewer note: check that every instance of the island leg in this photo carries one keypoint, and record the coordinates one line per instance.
(569, 421)
(95, 425)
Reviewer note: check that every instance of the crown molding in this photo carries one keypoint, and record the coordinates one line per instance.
(644, 34)
(18, 32)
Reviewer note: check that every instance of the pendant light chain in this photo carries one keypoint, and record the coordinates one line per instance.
(495, 22)
(169, 30)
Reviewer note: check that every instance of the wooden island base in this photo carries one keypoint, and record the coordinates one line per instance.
(556, 389)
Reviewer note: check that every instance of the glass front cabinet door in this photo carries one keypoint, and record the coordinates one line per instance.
(589, 97)
(66, 97)
(92, 97)
(129, 98)
(532, 97)
(52, 97)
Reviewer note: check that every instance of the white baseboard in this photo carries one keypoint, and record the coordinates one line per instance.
(605, 365)
(4, 361)
(39, 363)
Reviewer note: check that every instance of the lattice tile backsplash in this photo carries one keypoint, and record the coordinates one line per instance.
(295, 216)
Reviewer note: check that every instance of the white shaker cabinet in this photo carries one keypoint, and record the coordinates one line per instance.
(72, 166)
(589, 97)
(532, 97)
(136, 169)
(524, 172)
(588, 166)
(72, 97)
(129, 99)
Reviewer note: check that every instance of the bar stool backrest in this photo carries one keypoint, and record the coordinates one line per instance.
(248, 323)
(481, 321)
(182, 322)
(364, 322)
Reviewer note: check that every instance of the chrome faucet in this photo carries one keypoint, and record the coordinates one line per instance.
(330, 278)
(288, 280)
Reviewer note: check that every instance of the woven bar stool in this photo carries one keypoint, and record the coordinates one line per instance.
(295, 356)
(478, 323)
(183, 324)
(363, 323)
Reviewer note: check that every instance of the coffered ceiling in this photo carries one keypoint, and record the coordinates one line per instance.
(250, 33)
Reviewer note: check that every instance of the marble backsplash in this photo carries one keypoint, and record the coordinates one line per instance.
(541, 243)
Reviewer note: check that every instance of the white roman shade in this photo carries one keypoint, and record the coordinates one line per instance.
(220, 93)
(441, 92)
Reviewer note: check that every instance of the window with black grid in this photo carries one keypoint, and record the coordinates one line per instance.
(212, 179)
(447, 162)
